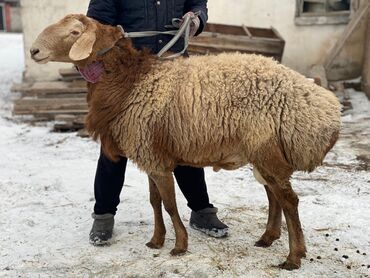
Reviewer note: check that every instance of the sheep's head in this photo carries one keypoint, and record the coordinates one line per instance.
(75, 39)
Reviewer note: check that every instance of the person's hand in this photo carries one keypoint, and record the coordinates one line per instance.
(194, 25)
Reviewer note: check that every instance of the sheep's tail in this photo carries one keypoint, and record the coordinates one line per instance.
(307, 158)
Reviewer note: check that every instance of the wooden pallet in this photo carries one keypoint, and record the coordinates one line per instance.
(61, 101)
(54, 89)
(218, 38)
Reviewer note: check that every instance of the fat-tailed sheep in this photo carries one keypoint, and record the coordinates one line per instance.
(223, 111)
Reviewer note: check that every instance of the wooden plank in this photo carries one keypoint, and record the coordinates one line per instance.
(34, 106)
(247, 31)
(50, 114)
(77, 83)
(71, 118)
(65, 117)
(207, 49)
(352, 25)
(71, 78)
(83, 133)
(239, 39)
(69, 72)
(277, 34)
(226, 46)
(20, 87)
(48, 101)
(56, 95)
(54, 87)
(232, 30)
(80, 119)
(67, 123)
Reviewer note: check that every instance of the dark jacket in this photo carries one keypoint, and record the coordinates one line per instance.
(147, 15)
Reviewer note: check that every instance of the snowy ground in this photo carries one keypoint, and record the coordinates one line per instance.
(46, 198)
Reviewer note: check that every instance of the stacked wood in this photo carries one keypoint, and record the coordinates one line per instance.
(60, 101)
(69, 123)
(218, 38)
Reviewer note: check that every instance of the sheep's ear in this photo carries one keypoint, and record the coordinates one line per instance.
(83, 47)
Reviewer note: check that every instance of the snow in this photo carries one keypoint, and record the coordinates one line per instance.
(46, 196)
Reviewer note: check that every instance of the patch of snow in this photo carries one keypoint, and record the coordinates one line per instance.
(46, 195)
(11, 67)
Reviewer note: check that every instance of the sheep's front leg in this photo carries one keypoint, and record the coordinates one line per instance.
(158, 238)
(165, 186)
(273, 227)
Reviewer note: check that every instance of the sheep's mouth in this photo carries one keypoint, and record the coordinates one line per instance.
(41, 60)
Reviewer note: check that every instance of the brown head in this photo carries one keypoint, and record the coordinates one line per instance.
(75, 39)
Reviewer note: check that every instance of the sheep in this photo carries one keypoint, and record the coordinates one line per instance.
(223, 111)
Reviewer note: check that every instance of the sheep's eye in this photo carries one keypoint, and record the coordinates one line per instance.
(75, 33)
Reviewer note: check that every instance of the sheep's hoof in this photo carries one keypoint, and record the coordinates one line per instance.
(178, 252)
(288, 265)
(153, 245)
(267, 239)
(263, 243)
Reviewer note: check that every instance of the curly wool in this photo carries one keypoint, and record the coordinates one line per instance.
(221, 111)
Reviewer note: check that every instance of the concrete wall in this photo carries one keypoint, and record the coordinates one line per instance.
(16, 20)
(305, 45)
(36, 15)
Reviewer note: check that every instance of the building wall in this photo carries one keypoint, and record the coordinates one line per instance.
(15, 19)
(36, 15)
(305, 45)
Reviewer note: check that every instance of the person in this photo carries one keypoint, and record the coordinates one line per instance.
(149, 15)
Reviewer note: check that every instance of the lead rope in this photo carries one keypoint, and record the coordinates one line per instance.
(183, 30)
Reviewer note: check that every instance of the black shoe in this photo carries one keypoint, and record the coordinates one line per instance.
(206, 221)
(102, 229)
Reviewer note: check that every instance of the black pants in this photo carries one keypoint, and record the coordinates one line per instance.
(110, 177)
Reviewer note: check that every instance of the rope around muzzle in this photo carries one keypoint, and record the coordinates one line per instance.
(182, 30)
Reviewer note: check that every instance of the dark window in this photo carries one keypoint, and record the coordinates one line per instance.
(2, 18)
(325, 6)
(310, 12)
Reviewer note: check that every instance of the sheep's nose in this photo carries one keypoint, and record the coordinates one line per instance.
(34, 51)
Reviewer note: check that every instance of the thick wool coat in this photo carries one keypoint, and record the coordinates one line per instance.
(221, 111)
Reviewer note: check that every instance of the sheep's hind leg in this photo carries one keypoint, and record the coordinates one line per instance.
(273, 227)
(276, 171)
(158, 238)
(289, 202)
(165, 186)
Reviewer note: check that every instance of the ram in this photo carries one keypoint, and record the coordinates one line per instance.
(223, 111)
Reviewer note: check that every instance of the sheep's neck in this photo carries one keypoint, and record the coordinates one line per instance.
(125, 66)
(109, 97)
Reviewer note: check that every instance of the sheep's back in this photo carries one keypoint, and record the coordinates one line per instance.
(206, 109)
